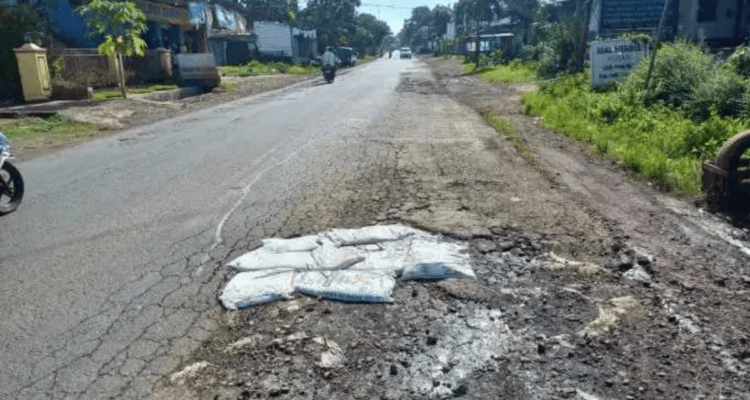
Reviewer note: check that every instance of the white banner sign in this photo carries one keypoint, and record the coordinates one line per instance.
(613, 59)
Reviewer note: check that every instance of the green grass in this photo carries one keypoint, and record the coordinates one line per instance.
(513, 72)
(105, 94)
(468, 68)
(655, 142)
(510, 73)
(260, 68)
(506, 127)
(229, 86)
(51, 131)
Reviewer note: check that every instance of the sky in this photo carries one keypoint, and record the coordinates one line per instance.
(395, 12)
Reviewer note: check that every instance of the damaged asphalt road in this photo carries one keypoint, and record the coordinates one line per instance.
(589, 285)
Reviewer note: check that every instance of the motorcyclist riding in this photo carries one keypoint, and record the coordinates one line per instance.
(329, 59)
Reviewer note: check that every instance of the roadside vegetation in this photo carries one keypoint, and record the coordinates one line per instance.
(694, 102)
(111, 93)
(31, 133)
(506, 127)
(256, 67)
(513, 72)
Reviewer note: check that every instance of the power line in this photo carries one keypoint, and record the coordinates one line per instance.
(385, 6)
(304, 3)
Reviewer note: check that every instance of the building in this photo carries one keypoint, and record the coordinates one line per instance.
(277, 41)
(228, 38)
(497, 34)
(718, 23)
(169, 25)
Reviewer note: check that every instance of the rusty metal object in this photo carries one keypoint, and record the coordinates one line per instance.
(725, 179)
(716, 185)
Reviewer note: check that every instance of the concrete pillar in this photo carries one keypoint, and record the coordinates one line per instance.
(34, 71)
(165, 60)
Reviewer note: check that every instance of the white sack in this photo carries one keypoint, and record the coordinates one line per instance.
(260, 259)
(369, 235)
(330, 257)
(430, 259)
(303, 243)
(350, 286)
(387, 258)
(257, 287)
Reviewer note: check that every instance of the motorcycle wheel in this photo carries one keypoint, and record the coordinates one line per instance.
(11, 188)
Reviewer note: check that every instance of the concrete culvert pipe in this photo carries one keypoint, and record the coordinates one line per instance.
(729, 154)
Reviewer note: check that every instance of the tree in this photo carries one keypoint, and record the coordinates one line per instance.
(476, 13)
(417, 28)
(440, 18)
(523, 12)
(333, 19)
(18, 24)
(370, 33)
(265, 10)
(120, 25)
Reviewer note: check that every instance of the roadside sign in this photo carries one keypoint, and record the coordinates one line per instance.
(613, 60)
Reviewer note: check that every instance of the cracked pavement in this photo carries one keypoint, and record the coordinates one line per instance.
(590, 285)
(111, 269)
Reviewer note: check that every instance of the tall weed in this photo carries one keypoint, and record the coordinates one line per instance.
(739, 61)
(553, 51)
(657, 142)
(691, 81)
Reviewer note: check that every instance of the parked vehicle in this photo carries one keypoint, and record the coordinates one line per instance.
(11, 183)
(405, 52)
(346, 55)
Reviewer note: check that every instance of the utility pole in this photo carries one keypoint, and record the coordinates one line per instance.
(476, 40)
(583, 13)
(656, 45)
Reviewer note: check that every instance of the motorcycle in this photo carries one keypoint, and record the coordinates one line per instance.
(11, 183)
(329, 73)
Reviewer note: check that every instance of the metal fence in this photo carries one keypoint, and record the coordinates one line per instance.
(87, 67)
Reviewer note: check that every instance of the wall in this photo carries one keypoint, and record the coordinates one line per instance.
(724, 29)
(274, 39)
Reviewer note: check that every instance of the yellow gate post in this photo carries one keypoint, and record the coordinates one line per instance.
(32, 65)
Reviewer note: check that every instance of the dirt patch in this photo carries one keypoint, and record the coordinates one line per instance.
(590, 285)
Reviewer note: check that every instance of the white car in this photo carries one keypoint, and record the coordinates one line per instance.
(405, 52)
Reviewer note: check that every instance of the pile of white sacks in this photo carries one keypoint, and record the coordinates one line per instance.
(356, 265)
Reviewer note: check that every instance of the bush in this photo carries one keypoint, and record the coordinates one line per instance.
(554, 51)
(739, 61)
(706, 138)
(498, 57)
(656, 142)
(281, 66)
(691, 81)
(485, 61)
(722, 94)
(679, 69)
